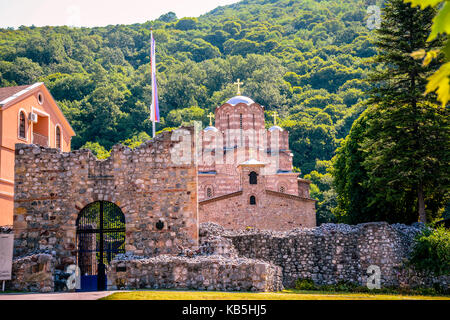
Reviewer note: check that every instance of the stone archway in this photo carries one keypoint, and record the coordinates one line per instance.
(100, 237)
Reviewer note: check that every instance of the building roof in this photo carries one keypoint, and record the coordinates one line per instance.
(210, 128)
(288, 195)
(273, 128)
(240, 99)
(9, 93)
(252, 162)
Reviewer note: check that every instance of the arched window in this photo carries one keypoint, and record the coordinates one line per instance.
(282, 189)
(252, 200)
(22, 124)
(253, 177)
(209, 192)
(240, 121)
(228, 121)
(58, 138)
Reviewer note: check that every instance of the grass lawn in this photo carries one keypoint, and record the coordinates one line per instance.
(282, 295)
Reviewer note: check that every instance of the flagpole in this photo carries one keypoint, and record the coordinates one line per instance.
(154, 127)
(152, 106)
(153, 76)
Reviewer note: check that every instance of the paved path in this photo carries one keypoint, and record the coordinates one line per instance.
(56, 296)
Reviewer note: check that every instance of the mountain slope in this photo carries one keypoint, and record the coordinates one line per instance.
(304, 58)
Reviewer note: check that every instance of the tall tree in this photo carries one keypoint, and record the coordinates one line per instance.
(404, 149)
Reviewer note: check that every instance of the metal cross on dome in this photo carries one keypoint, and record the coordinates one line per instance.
(238, 83)
(210, 116)
(274, 115)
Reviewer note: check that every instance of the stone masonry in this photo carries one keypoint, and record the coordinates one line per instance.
(165, 248)
(198, 273)
(33, 273)
(257, 206)
(149, 187)
(331, 253)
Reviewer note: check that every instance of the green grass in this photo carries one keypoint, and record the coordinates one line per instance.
(282, 295)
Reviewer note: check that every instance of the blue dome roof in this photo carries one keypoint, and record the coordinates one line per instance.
(210, 128)
(240, 99)
(273, 128)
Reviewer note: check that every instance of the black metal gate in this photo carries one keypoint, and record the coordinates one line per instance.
(100, 236)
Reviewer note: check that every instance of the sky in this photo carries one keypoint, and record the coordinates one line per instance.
(90, 13)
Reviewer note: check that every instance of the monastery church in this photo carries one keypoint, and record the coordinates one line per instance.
(253, 184)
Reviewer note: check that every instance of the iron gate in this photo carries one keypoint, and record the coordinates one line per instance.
(100, 237)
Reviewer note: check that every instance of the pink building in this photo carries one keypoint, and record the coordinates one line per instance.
(28, 114)
(245, 176)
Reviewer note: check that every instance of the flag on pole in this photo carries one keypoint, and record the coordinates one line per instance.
(154, 114)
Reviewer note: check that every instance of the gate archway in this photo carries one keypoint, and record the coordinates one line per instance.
(100, 237)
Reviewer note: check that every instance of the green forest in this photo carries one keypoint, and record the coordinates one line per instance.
(307, 59)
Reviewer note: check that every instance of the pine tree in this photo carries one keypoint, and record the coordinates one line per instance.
(402, 155)
(398, 76)
(400, 147)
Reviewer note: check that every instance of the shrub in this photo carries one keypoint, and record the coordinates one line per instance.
(431, 251)
(361, 289)
(305, 284)
(345, 286)
(328, 287)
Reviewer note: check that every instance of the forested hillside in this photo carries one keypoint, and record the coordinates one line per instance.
(304, 58)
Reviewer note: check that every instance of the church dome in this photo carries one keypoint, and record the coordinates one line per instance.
(240, 99)
(273, 128)
(210, 128)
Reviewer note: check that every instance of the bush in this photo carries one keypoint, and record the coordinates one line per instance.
(431, 251)
(305, 284)
(345, 286)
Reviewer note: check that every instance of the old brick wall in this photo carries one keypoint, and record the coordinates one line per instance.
(147, 183)
(331, 253)
(273, 211)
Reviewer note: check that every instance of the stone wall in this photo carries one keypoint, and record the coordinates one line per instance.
(147, 183)
(331, 253)
(33, 273)
(196, 273)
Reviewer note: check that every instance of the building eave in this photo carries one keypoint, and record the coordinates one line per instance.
(225, 196)
(8, 101)
(289, 196)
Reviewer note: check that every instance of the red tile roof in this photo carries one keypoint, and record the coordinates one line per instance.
(7, 92)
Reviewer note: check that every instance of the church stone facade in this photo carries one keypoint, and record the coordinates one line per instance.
(245, 173)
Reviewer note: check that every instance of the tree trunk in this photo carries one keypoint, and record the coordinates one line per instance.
(421, 203)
